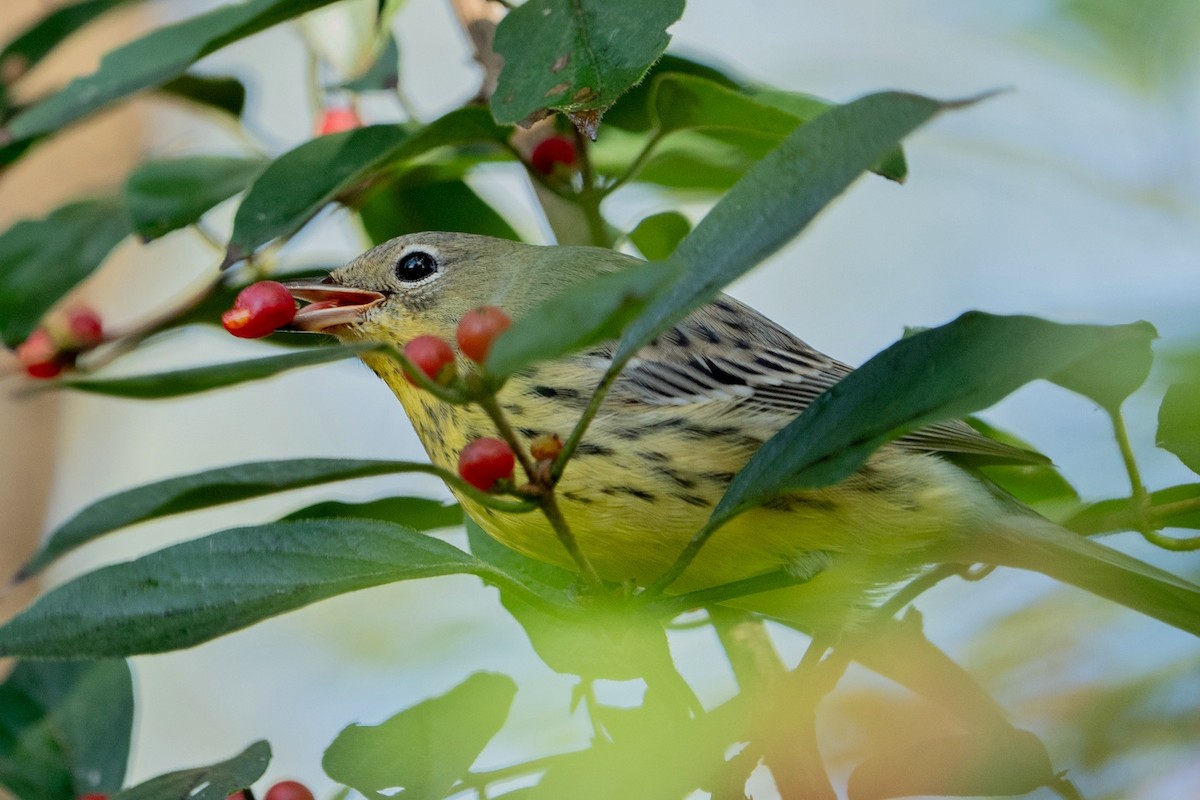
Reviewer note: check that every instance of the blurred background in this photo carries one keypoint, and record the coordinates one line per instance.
(1074, 195)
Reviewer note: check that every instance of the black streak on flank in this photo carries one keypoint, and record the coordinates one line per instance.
(629, 490)
(693, 500)
(593, 449)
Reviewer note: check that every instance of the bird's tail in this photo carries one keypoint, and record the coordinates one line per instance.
(1030, 543)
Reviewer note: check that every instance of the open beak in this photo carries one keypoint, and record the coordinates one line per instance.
(329, 305)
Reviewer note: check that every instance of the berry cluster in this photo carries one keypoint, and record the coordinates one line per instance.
(55, 346)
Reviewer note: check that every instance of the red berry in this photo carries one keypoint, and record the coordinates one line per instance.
(288, 790)
(40, 356)
(336, 120)
(240, 794)
(260, 309)
(94, 796)
(485, 461)
(478, 329)
(431, 354)
(83, 328)
(550, 152)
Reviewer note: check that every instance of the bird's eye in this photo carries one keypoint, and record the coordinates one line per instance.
(415, 265)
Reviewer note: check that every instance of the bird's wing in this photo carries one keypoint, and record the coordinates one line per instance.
(727, 353)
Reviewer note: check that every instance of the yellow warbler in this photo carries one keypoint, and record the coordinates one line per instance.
(685, 415)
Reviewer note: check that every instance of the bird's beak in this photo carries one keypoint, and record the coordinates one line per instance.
(329, 305)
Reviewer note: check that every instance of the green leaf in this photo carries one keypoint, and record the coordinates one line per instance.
(214, 782)
(576, 55)
(941, 373)
(163, 196)
(427, 748)
(206, 489)
(418, 202)
(968, 764)
(65, 728)
(657, 236)
(777, 199)
(1174, 507)
(36, 42)
(1179, 423)
(41, 261)
(633, 111)
(222, 93)
(180, 382)
(382, 75)
(198, 590)
(153, 60)
(301, 182)
(418, 513)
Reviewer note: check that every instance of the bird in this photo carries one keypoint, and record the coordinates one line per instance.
(685, 414)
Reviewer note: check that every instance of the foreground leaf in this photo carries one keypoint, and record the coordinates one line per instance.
(1179, 423)
(163, 196)
(193, 380)
(153, 60)
(576, 55)
(942, 373)
(777, 199)
(202, 490)
(198, 590)
(41, 261)
(1174, 507)
(427, 748)
(65, 728)
(214, 91)
(417, 513)
(24, 52)
(214, 782)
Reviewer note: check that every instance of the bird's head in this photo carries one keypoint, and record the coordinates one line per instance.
(423, 283)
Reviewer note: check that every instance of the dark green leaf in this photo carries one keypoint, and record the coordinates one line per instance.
(941, 373)
(633, 111)
(206, 489)
(42, 261)
(301, 182)
(576, 55)
(198, 590)
(427, 748)
(153, 60)
(223, 94)
(968, 764)
(681, 102)
(418, 202)
(65, 728)
(418, 513)
(657, 236)
(202, 379)
(24, 52)
(1179, 423)
(777, 199)
(163, 196)
(1174, 507)
(382, 75)
(593, 311)
(214, 782)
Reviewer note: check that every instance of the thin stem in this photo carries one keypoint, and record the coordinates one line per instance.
(634, 168)
(685, 559)
(585, 420)
(447, 394)
(546, 498)
(770, 581)
(1138, 489)
(590, 195)
(567, 539)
